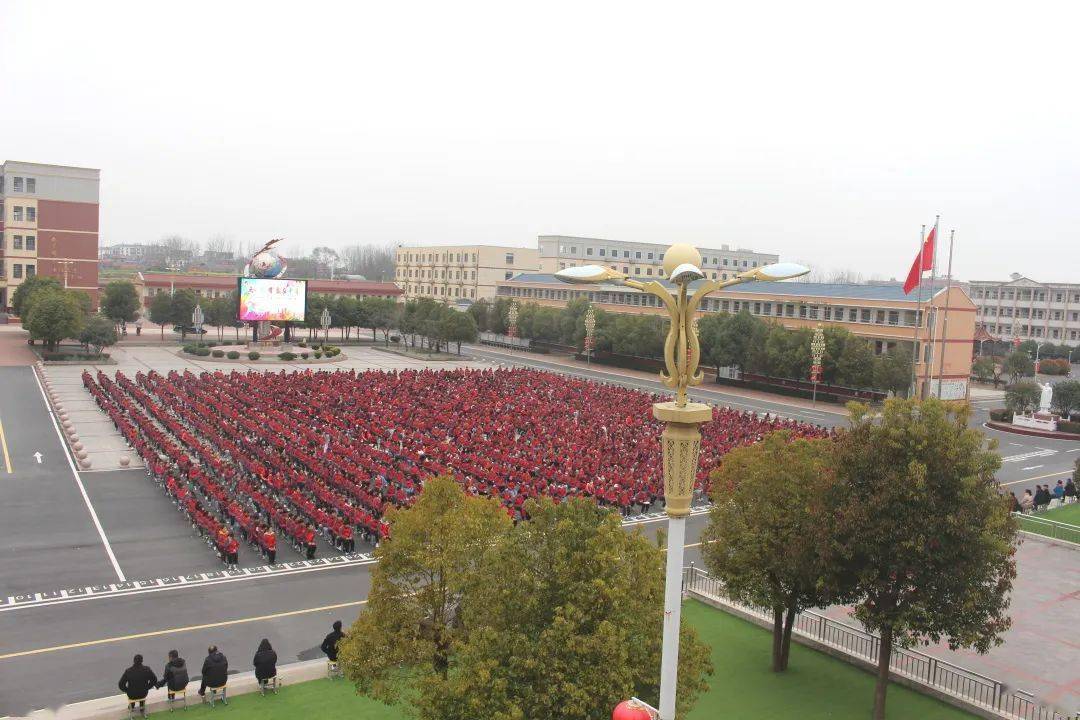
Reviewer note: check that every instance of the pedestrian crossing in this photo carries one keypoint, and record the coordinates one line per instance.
(1041, 452)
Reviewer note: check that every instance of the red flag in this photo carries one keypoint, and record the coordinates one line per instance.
(927, 257)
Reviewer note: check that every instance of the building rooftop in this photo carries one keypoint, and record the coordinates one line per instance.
(229, 282)
(787, 287)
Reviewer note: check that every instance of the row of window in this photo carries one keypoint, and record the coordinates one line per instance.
(1025, 294)
(648, 256)
(1029, 313)
(862, 315)
(441, 291)
(23, 242)
(18, 212)
(418, 274)
(1033, 332)
(20, 184)
(18, 268)
(445, 257)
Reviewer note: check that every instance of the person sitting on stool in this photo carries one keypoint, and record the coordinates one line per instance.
(136, 683)
(215, 670)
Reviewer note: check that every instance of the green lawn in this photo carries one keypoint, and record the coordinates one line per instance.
(815, 687)
(1068, 514)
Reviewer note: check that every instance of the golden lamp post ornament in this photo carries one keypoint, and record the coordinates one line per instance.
(590, 333)
(817, 352)
(512, 318)
(681, 439)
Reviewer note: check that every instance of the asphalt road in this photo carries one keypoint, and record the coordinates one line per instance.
(52, 654)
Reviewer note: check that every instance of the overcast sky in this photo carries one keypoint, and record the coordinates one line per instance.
(826, 132)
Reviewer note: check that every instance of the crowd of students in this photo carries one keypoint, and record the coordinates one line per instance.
(1061, 494)
(138, 680)
(252, 456)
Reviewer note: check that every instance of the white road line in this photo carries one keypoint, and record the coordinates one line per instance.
(1033, 467)
(78, 481)
(1073, 450)
(1016, 444)
(1039, 452)
(1033, 479)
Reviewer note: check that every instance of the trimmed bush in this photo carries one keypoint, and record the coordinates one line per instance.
(303, 356)
(395, 338)
(286, 356)
(1067, 426)
(189, 349)
(318, 354)
(1001, 415)
(202, 352)
(218, 353)
(233, 355)
(253, 355)
(227, 342)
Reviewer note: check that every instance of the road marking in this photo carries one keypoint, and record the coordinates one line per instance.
(3, 444)
(1073, 450)
(1039, 452)
(38, 456)
(78, 481)
(1016, 444)
(1033, 467)
(189, 628)
(1037, 477)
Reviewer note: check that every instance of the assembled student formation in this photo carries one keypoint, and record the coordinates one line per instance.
(325, 454)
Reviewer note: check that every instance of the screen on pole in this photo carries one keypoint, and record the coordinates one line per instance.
(265, 299)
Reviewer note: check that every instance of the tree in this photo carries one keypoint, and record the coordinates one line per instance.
(929, 537)
(161, 311)
(855, 366)
(412, 624)
(54, 314)
(892, 371)
(120, 303)
(460, 327)
(20, 299)
(1018, 364)
(385, 315)
(181, 306)
(1066, 397)
(730, 339)
(778, 555)
(563, 622)
(1023, 396)
(983, 369)
(98, 333)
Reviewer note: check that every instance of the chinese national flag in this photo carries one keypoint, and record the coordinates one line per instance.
(927, 256)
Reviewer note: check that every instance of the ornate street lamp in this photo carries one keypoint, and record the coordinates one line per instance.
(324, 322)
(512, 316)
(197, 319)
(681, 437)
(817, 351)
(590, 333)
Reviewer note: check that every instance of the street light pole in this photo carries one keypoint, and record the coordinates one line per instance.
(590, 333)
(324, 321)
(817, 351)
(681, 437)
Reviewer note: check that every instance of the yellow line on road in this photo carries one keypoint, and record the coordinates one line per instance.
(189, 628)
(3, 444)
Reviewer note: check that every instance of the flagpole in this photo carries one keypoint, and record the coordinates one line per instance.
(931, 318)
(945, 320)
(918, 312)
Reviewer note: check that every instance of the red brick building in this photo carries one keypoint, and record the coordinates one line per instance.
(49, 226)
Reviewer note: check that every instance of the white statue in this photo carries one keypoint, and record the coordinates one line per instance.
(1044, 399)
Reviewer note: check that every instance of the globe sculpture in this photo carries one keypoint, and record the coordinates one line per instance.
(266, 263)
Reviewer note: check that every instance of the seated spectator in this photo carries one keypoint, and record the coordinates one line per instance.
(330, 642)
(1058, 493)
(1070, 491)
(215, 670)
(175, 676)
(1027, 503)
(1014, 504)
(136, 683)
(265, 662)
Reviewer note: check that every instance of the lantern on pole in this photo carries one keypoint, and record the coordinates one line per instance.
(590, 333)
(817, 352)
(197, 319)
(634, 709)
(324, 323)
(512, 316)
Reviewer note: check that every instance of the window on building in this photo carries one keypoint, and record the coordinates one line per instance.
(789, 310)
(16, 184)
(16, 213)
(16, 270)
(31, 185)
(853, 315)
(802, 311)
(588, 251)
(31, 242)
(31, 270)
(879, 317)
(894, 317)
(649, 257)
(637, 271)
(864, 315)
(31, 214)
(637, 255)
(813, 312)
(625, 270)
(17, 242)
(625, 254)
(509, 275)
(509, 258)
(648, 271)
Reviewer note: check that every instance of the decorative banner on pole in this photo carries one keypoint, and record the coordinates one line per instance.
(512, 316)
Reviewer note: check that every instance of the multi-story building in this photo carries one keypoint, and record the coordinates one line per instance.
(452, 273)
(1022, 308)
(638, 259)
(49, 226)
(882, 314)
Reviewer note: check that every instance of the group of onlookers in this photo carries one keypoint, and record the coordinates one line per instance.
(1063, 493)
(138, 680)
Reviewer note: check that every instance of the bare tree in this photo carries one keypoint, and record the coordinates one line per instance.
(374, 262)
(220, 244)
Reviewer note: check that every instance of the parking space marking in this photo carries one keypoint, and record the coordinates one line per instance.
(3, 444)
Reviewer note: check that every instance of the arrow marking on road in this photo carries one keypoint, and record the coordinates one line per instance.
(37, 456)
(1033, 467)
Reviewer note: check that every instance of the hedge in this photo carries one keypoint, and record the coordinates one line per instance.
(1001, 415)
(304, 356)
(253, 355)
(233, 355)
(218, 353)
(1068, 426)
(286, 356)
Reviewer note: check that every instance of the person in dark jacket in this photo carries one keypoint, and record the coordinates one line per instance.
(215, 670)
(136, 683)
(265, 662)
(175, 676)
(330, 642)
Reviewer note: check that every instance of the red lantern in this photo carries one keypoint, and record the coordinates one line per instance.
(631, 710)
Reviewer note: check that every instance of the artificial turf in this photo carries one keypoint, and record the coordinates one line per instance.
(815, 686)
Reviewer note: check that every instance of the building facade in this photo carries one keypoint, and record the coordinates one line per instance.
(640, 260)
(149, 284)
(881, 314)
(49, 226)
(1024, 309)
(465, 273)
